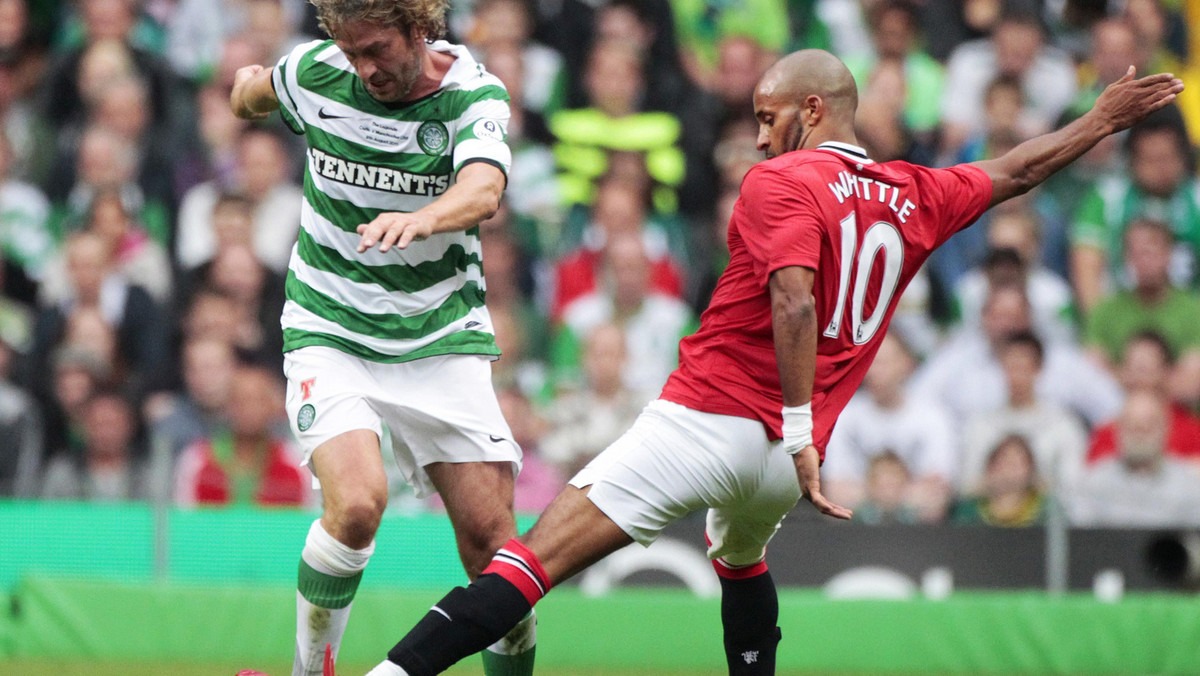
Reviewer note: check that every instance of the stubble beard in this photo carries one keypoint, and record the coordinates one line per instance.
(405, 78)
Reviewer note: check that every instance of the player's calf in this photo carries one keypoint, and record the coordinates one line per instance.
(749, 613)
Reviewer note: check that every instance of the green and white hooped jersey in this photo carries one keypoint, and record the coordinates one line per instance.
(366, 158)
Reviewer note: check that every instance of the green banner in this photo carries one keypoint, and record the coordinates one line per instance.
(1018, 633)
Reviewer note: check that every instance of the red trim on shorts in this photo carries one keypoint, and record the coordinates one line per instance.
(741, 573)
(735, 573)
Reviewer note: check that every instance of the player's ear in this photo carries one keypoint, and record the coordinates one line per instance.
(812, 110)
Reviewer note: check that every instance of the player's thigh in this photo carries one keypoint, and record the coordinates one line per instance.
(330, 412)
(738, 532)
(444, 410)
(672, 462)
(479, 501)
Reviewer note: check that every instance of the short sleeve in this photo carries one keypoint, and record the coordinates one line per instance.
(782, 225)
(483, 132)
(958, 196)
(286, 81)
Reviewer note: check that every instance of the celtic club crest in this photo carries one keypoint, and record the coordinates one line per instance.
(433, 137)
(306, 416)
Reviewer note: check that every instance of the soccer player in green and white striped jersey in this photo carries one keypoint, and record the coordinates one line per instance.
(385, 320)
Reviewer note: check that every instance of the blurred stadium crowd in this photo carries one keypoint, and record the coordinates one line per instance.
(1051, 349)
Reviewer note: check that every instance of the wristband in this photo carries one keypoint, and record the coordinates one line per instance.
(797, 428)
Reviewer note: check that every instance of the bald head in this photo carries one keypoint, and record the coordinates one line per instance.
(804, 99)
(813, 72)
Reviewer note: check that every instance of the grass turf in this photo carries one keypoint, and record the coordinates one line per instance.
(44, 667)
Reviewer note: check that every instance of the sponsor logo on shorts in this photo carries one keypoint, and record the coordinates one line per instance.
(433, 137)
(306, 416)
(306, 387)
(751, 656)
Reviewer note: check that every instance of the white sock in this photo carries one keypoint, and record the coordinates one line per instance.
(329, 575)
(387, 668)
(519, 639)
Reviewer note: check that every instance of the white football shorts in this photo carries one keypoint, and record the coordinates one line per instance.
(437, 409)
(676, 460)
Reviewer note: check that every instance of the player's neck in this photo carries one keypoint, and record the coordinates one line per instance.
(434, 66)
(832, 134)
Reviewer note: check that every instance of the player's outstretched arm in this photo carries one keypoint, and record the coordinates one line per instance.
(794, 325)
(1121, 105)
(474, 197)
(253, 96)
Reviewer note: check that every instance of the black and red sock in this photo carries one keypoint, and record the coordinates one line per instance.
(471, 618)
(749, 614)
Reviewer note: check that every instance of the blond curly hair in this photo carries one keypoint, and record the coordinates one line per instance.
(428, 17)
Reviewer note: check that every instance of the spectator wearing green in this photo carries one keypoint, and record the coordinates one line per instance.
(701, 25)
(894, 28)
(1012, 495)
(1160, 186)
(612, 122)
(1152, 304)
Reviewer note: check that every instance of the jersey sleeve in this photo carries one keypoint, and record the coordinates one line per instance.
(959, 195)
(285, 79)
(783, 222)
(483, 132)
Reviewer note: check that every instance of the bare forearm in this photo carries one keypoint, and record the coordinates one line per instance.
(1029, 164)
(462, 206)
(1121, 105)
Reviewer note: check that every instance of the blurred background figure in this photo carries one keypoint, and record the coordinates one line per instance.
(22, 442)
(1011, 493)
(1148, 365)
(1056, 437)
(1016, 48)
(1152, 303)
(112, 465)
(584, 421)
(886, 493)
(263, 176)
(965, 374)
(885, 416)
(1160, 184)
(249, 460)
(653, 323)
(1145, 486)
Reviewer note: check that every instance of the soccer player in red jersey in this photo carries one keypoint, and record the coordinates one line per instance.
(822, 243)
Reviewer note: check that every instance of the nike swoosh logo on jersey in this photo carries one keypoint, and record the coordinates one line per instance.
(495, 438)
(326, 116)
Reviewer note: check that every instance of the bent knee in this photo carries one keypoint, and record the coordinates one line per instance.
(357, 517)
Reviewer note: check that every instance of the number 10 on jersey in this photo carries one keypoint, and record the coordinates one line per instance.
(881, 236)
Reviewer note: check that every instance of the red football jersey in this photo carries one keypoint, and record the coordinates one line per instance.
(865, 228)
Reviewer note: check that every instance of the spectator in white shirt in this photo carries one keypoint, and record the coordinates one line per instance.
(885, 416)
(1016, 48)
(967, 378)
(1144, 487)
(1055, 436)
(1049, 295)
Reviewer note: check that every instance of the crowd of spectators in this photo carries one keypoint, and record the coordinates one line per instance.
(1049, 355)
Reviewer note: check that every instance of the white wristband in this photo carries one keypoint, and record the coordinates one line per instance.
(797, 428)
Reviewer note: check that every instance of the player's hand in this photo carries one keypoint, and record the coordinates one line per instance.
(1127, 101)
(394, 229)
(237, 98)
(808, 471)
